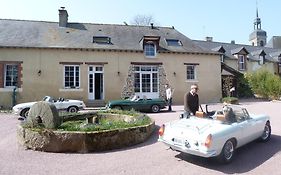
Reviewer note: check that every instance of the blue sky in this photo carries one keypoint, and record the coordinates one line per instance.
(224, 20)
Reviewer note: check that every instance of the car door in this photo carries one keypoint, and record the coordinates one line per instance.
(138, 105)
(59, 104)
(248, 126)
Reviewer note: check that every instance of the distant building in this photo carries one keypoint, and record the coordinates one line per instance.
(258, 36)
(237, 59)
(274, 42)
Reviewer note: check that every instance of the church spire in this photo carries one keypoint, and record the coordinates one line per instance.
(258, 36)
(257, 22)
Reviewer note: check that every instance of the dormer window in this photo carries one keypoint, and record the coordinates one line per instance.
(241, 62)
(150, 49)
(150, 45)
(173, 42)
(102, 40)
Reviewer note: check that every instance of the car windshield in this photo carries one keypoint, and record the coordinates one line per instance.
(228, 114)
(45, 98)
(49, 99)
(135, 98)
(234, 113)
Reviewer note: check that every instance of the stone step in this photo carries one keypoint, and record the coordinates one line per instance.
(96, 103)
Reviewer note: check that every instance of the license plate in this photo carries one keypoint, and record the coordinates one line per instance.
(178, 141)
(181, 142)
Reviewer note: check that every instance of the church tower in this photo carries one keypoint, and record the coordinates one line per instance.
(258, 36)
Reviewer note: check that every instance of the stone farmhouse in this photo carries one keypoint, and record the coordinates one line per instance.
(101, 62)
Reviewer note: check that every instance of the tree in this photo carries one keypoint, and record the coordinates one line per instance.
(143, 20)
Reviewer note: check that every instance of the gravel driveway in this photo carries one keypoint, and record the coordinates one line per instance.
(150, 157)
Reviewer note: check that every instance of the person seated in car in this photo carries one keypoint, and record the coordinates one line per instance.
(229, 114)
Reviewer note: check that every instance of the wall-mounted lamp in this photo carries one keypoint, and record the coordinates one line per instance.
(175, 73)
(39, 72)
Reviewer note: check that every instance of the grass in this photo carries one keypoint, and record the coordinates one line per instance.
(104, 124)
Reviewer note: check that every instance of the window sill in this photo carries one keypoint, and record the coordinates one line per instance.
(150, 56)
(70, 90)
(193, 81)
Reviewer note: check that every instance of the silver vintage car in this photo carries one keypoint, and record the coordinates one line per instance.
(217, 135)
(60, 103)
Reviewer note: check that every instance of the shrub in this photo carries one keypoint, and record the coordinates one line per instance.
(243, 88)
(230, 100)
(265, 84)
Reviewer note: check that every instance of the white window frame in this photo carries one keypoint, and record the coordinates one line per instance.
(222, 58)
(144, 70)
(74, 81)
(241, 62)
(147, 50)
(194, 72)
(5, 78)
(173, 42)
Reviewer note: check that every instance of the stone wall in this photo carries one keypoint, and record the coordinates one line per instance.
(62, 141)
(128, 88)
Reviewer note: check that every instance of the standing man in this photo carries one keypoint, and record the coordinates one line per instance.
(191, 100)
(169, 93)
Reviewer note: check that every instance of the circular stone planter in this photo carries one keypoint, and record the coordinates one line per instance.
(75, 141)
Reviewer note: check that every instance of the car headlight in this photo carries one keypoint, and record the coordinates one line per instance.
(17, 108)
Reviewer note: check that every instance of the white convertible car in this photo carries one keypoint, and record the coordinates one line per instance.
(217, 135)
(60, 103)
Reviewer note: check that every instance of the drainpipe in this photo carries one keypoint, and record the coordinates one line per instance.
(14, 95)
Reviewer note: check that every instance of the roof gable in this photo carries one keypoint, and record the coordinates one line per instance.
(240, 51)
(219, 49)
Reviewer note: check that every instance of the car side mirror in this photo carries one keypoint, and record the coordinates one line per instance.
(185, 115)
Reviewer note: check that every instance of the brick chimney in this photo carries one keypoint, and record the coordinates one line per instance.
(209, 38)
(63, 17)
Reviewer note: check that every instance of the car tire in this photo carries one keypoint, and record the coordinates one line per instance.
(155, 108)
(72, 109)
(266, 132)
(24, 112)
(227, 152)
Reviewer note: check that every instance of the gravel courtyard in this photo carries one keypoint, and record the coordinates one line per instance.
(150, 157)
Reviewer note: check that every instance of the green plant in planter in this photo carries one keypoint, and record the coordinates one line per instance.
(230, 100)
(105, 123)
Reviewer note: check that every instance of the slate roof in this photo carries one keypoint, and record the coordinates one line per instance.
(230, 49)
(42, 34)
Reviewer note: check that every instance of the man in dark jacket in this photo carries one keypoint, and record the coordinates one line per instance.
(191, 100)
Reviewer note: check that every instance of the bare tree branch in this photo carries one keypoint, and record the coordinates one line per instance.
(143, 20)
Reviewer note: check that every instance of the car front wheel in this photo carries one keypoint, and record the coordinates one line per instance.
(266, 132)
(24, 112)
(227, 152)
(155, 108)
(72, 109)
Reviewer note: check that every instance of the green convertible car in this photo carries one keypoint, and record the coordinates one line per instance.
(138, 104)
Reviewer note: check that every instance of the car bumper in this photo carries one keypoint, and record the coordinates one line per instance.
(16, 111)
(190, 150)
